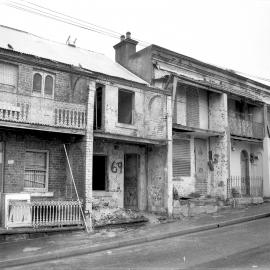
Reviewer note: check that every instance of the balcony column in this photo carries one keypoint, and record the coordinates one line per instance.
(88, 152)
(266, 157)
(169, 157)
(266, 167)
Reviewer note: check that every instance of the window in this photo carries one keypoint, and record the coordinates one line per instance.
(36, 170)
(99, 173)
(125, 106)
(181, 158)
(98, 107)
(43, 84)
(8, 74)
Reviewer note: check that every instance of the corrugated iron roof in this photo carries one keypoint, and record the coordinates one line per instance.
(24, 42)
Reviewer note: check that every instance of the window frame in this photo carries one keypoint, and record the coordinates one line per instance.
(132, 106)
(29, 189)
(17, 74)
(43, 74)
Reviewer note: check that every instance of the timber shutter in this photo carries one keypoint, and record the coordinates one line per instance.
(181, 158)
(193, 107)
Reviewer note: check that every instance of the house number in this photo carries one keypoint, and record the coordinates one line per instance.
(117, 166)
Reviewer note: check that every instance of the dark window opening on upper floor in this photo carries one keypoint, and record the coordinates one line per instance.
(98, 108)
(125, 107)
(99, 173)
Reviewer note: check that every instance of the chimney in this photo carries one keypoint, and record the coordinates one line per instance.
(124, 49)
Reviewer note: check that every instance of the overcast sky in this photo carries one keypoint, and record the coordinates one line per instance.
(232, 34)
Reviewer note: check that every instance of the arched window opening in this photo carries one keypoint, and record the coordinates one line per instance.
(37, 83)
(48, 89)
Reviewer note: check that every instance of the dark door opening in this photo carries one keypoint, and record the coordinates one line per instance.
(99, 172)
(131, 181)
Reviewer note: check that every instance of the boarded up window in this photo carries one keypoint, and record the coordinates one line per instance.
(192, 107)
(181, 158)
(8, 74)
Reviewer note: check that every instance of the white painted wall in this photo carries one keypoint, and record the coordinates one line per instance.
(256, 168)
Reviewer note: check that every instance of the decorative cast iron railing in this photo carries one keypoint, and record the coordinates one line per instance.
(43, 213)
(238, 186)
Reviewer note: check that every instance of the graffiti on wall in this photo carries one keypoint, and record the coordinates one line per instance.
(117, 166)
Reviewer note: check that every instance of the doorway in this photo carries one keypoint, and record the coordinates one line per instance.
(245, 183)
(131, 168)
(200, 148)
(99, 182)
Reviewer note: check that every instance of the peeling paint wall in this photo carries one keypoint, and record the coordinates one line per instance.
(218, 120)
(114, 195)
(255, 168)
(149, 113)
(157, 175)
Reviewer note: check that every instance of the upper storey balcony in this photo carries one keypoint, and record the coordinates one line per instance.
(245, 120)
(22, 111)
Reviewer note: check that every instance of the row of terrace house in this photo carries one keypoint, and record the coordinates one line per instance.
(219, 143)
(71, 114)
(77, 129)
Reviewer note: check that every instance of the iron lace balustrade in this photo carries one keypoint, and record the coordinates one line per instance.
(243, 125)
(238, 186)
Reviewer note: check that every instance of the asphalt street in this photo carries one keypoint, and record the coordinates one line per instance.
(242, 246)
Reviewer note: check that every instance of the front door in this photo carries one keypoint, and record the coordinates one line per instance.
(201, 165)
(245, 185)
(131, 181)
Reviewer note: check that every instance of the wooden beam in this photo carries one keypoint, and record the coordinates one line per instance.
(175, 81)
(265, 120)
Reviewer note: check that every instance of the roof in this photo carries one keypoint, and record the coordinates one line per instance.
(27, 43)
(262, 81)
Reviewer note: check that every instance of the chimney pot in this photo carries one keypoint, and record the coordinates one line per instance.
(128, 35)
(122, 37)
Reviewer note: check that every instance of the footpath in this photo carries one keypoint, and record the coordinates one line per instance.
(78, 243)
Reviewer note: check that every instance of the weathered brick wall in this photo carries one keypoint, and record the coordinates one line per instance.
(67, 87)
(17, 142)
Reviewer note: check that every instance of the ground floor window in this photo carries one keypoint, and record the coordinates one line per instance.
(181, 158)
(99, 173)
(36, 170)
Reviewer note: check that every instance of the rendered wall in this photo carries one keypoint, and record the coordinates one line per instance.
(218, 120)
(148, 114)
(114, 196)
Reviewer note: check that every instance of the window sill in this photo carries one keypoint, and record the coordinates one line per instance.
(39, 193)
(102, 193)
(127, 126)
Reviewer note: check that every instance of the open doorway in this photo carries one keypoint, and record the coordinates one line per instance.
(245, 173)
(99, 182)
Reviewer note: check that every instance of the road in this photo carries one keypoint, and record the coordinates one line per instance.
(242, 246)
